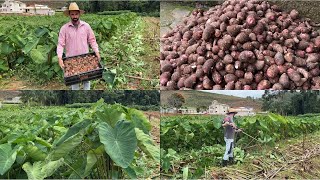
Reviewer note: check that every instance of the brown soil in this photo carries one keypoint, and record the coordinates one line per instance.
(15, 83)
(154, 118)
(150, 58)
(293, 159)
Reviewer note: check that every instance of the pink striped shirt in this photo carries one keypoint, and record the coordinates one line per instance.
(75, 40)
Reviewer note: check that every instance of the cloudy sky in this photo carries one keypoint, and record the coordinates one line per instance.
(239, 93)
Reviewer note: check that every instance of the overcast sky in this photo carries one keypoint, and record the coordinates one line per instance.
(240, 93)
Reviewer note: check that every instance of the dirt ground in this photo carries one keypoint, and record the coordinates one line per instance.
(307, 9)
(154, 119)
(296, 158)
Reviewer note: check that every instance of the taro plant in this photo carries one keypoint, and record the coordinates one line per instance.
(103, 142)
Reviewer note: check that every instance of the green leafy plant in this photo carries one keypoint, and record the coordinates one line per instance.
(103, 141)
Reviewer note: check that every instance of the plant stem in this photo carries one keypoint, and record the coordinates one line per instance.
(73, 170)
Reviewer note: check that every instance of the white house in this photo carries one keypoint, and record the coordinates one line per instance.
(12, 6)
(40, 9)
(218, 108)
(188, 110)
(167, 110)
(243, 111)
(15, 100)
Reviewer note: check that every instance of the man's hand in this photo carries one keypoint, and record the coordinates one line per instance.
(225, 124)
(61, 63)
(233, 125)
(98, 56)
(239, 130)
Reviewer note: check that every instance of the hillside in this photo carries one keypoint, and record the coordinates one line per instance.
(200, 98)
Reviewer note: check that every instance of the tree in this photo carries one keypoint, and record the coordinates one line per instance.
(176, 100)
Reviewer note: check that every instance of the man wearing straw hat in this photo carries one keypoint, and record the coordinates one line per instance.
(75, 36)
(229, 135)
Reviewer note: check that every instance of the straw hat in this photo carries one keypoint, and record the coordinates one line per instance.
(73, 7)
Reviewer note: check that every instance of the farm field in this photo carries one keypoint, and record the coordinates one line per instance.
(60, 142)
(271, 146)
(128, 45)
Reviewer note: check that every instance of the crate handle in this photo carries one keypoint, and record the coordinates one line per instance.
(83, 77)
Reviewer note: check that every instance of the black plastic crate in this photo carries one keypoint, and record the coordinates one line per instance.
(86, 76)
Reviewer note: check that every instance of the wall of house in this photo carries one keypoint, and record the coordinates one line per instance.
(218, 109)
(12, 7)
(41, 11)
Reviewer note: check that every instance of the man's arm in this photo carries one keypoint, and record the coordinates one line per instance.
(60, 46)
(93, 42)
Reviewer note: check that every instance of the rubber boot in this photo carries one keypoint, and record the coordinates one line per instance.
(231, 160)
(224, 163)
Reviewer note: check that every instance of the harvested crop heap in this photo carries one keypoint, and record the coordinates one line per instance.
(79, 65)
(241, 44)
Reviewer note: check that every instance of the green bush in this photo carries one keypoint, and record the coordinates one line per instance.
(145, 108)
(79, 105)
(113, 12)
(151, 14)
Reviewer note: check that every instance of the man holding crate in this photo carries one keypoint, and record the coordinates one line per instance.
(75, 36)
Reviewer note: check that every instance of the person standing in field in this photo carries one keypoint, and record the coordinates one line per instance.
(75, 37)
(229, 136)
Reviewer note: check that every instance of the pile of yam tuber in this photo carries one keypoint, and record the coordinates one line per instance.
(78, 65)
(241, 44)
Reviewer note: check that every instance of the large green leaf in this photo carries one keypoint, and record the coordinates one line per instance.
(72, 131)
(6, 48)
(83, 167)
(119, 142)
(146, 144)
(217, 123)
(276, 117)
(41, 169)
(43, 142)
(77, 169)
(7, 157)
(40, 31)
(91, 161)
(37, 56)
(109, 77)
(131, 172)
(139, 120)
(66, 147)
(17, 40)
(30, 45)
(3, 65)
(110, 114)
(34, 152)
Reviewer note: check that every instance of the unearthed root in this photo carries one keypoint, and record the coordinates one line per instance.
(280, 49)
(79, 65)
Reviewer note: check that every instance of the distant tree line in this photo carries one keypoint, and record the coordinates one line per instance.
(124, 97)
(138, 6)
(291, 102)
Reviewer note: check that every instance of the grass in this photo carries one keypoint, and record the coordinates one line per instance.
(150, 77)
(275, 157)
